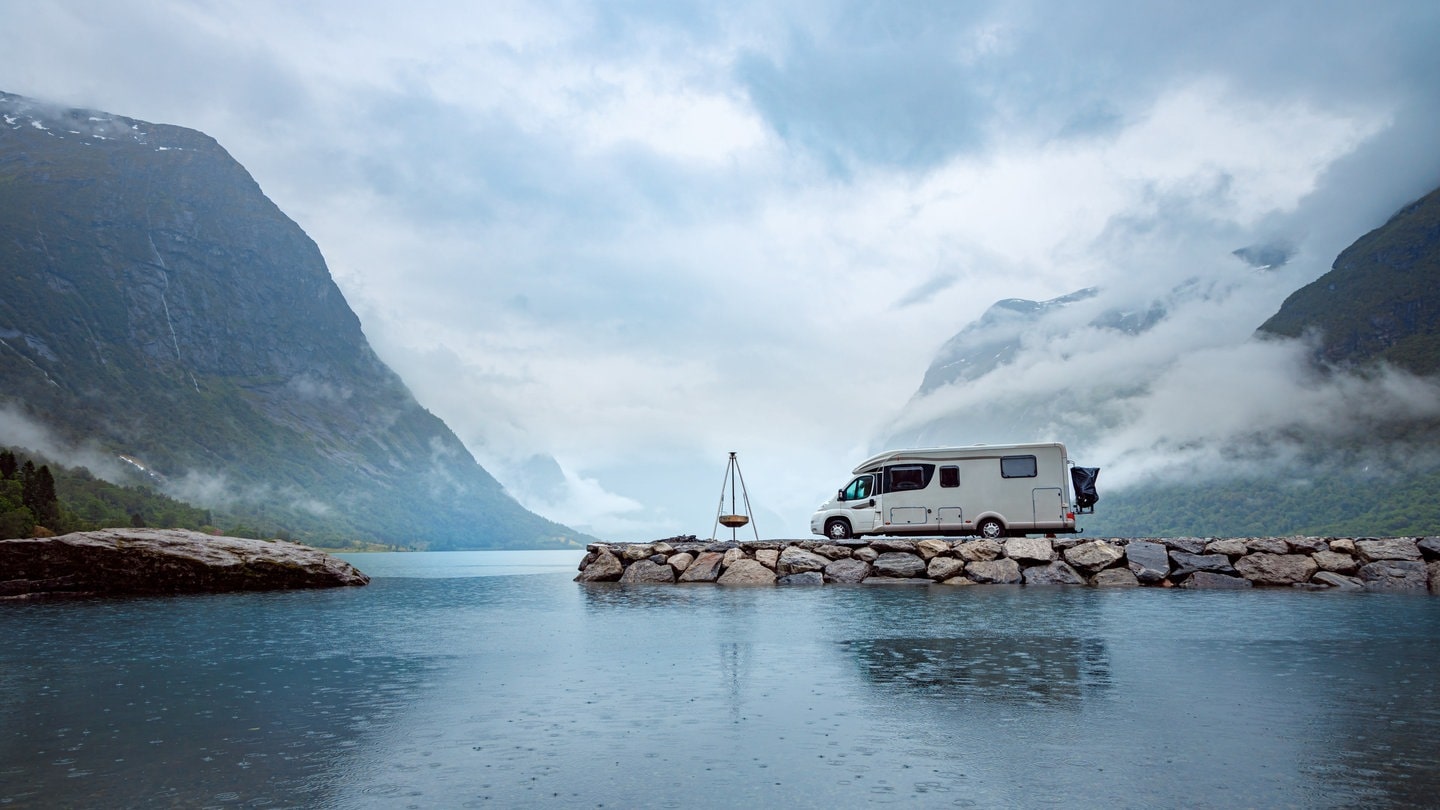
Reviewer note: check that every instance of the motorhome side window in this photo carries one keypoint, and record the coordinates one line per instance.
(1017, 467)
(858, 489)
(905, 477)
(949, 476)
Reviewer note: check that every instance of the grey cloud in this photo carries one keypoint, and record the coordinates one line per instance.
(864, 98)
(894, 85)
(926, 290)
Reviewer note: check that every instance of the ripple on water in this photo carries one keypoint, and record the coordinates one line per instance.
(512, 690)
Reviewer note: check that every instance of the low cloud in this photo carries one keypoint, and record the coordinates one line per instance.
(21, 431)
(218, 491)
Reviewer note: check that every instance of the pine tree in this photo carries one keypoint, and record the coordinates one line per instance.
(8, 465)
(38, 493)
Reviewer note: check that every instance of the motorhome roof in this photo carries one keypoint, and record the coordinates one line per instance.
(942, 453)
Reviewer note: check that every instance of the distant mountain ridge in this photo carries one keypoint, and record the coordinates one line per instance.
(158, 305)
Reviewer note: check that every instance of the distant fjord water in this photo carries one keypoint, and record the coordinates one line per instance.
(489, 679)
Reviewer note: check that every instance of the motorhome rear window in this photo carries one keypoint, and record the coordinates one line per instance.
(1017, 467)
(909, 476)
(949, 476)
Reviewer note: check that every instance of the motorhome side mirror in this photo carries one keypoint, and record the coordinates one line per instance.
(839, 494)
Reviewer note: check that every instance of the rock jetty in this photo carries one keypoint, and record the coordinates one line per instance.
(122, 562)
(1318, 563)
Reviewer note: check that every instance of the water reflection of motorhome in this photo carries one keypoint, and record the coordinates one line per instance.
(1012, 669)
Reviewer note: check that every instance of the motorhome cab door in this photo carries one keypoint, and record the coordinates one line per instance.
(861, 503)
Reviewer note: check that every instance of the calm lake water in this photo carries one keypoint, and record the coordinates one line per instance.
(489, 679)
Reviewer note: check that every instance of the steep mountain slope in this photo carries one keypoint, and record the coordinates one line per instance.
(1381, 299)
(157, 304)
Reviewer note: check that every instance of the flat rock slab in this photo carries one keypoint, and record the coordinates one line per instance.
(1277, 569)
(1267, 545)
(1395, 575)
(898, 564)
(1116, 578)
(1209, 580)
(1395, 548)
(1189, 545)
(1186, 563)
(1035, 549)
(1339, 582)
(125, 562)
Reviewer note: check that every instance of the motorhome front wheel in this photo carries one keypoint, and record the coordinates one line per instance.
(838, 529)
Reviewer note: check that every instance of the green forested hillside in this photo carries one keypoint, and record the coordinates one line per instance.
(40, 496)
(1381, 299)
(1334, 504)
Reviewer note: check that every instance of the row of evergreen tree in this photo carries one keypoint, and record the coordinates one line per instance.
(41, 498)
(27, 496)
(36, 501)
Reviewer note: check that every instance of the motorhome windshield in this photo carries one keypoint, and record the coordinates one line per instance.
(859, 489)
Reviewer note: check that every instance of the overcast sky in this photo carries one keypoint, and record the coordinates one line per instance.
(634, 236)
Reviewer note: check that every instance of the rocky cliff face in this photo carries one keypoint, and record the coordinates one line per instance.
(158, 304)
(1381, 299)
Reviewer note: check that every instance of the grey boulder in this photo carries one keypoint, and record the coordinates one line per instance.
(747, 572)
(1094, 555)
(1395, 575)
(1004, 571)
(1148, 561)
(1056, 573)
(898, 564)
(1277, 569)
(847, 571)
(1209, 580)
(648, 572)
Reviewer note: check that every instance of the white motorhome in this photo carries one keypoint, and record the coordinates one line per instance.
(989, 490)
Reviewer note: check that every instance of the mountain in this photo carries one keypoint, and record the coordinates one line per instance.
(1381, 298)
(158, 306)
(992, 341)
(1200, 427)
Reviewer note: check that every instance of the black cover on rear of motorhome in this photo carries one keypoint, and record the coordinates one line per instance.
(1084, 480)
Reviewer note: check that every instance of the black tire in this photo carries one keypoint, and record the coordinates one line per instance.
(990, 529)
(838, 529)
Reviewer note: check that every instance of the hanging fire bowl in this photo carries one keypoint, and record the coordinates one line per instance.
(733, 521)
